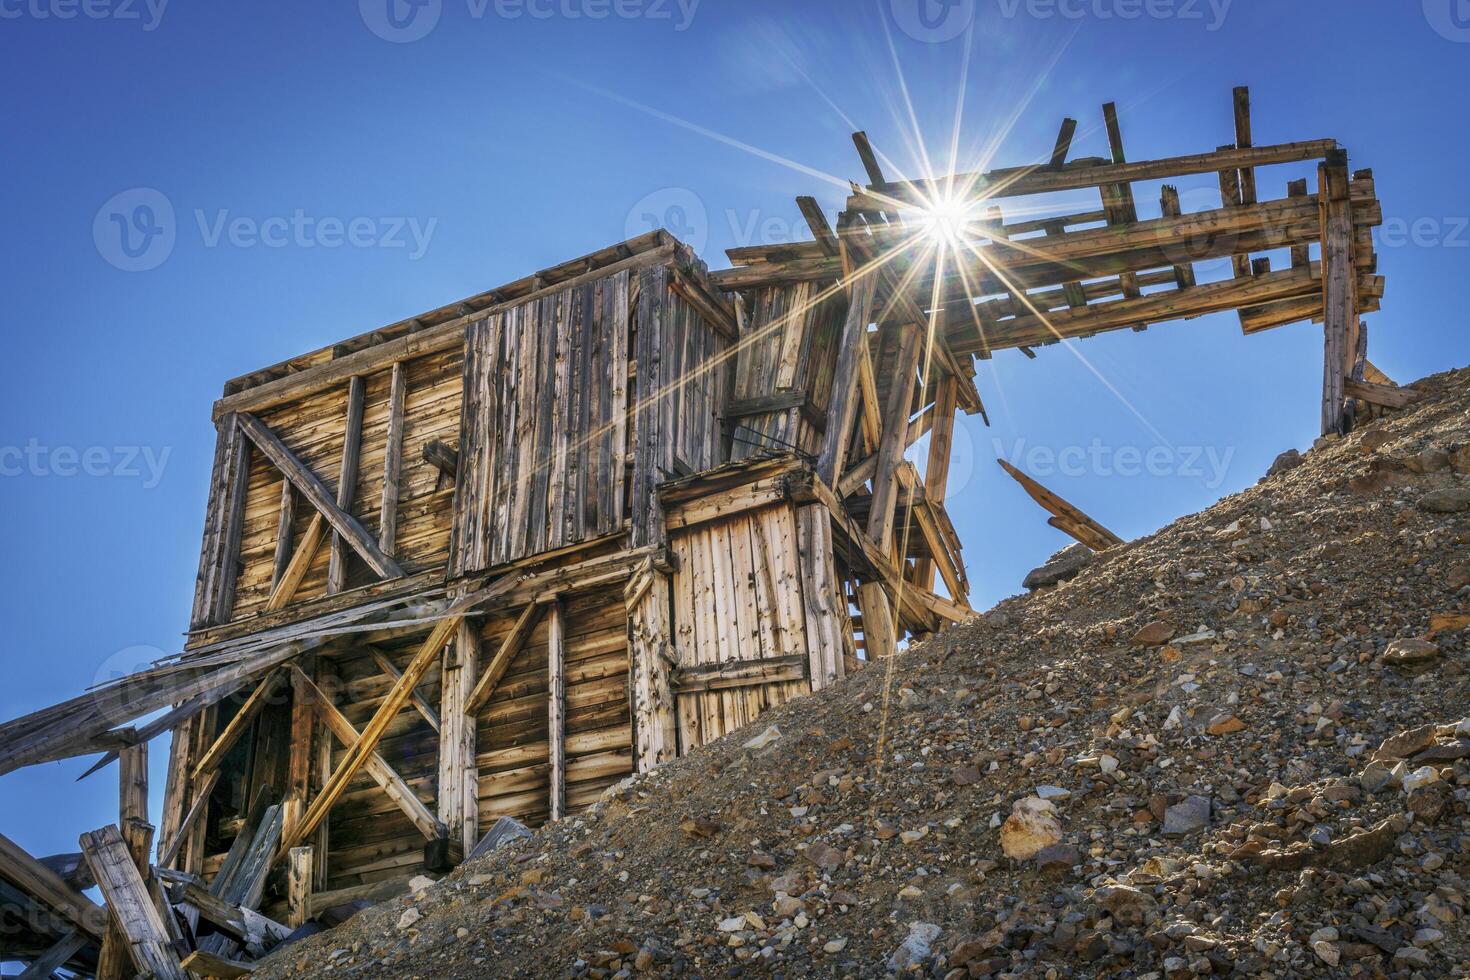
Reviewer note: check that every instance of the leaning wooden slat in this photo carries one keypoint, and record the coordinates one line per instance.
(347, 478)
(317, 494)
(129, 904)
(1063, 144)
(46, 886)
(232, 518)
(817, 222)
(1060, 508)
(374, 764)
(1125, 211)
(936, 470)
(169, 849)
(295, 571)
(257, 700)
(358, 754)
(499, 663)
(55, 958)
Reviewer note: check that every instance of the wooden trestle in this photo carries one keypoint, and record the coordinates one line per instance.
(489, 561)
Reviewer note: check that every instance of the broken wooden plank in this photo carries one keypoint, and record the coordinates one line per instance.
(1384, 396)
(55, 958)
(1084, 528)
(46, 886)
(169, 850)
(129, 904)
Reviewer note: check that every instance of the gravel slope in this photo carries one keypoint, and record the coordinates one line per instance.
(1245, 726)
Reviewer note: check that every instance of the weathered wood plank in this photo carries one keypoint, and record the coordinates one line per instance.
(129, 904)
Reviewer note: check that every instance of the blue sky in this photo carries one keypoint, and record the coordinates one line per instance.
(325, 180)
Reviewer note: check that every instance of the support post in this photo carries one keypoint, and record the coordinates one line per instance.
(648, 601)
(347, 480)
(556, 711)
(458, 783)
(298, 886)
(936, 470)
(1338, 285)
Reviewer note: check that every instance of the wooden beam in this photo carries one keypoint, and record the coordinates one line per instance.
(647, 599)
(1338, 283)
(1020, 181)
(347, 479)
(556, 709)
(1161, 307)
(202, 964)
(55, 958)
(499, 663)
(1384, 396)
(257, 700)
(458, 773)
(46, 886)
(247, 925)
(373, 764)
(130, 905)
(170, 849)
(880, 636)
(420, 703)
(392, 461)
(298, 886)
(936, 470)
(365, 746)
(1079, 525)
(1170, 208)
(316, 493)
(817, 222)
(1063, 145)
(285, 524)
(1247, 179)
(895, 435)
(843, 407)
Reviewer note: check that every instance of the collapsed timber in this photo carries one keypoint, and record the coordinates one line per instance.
(488, 562)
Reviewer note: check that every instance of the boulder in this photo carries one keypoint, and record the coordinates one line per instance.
(1065, 564)
(1032, 825)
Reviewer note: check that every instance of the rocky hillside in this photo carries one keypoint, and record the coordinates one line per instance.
(1236, 746)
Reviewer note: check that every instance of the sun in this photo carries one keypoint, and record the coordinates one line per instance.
(946, 221)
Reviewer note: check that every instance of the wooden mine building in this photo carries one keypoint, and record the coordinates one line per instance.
(491, 560)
